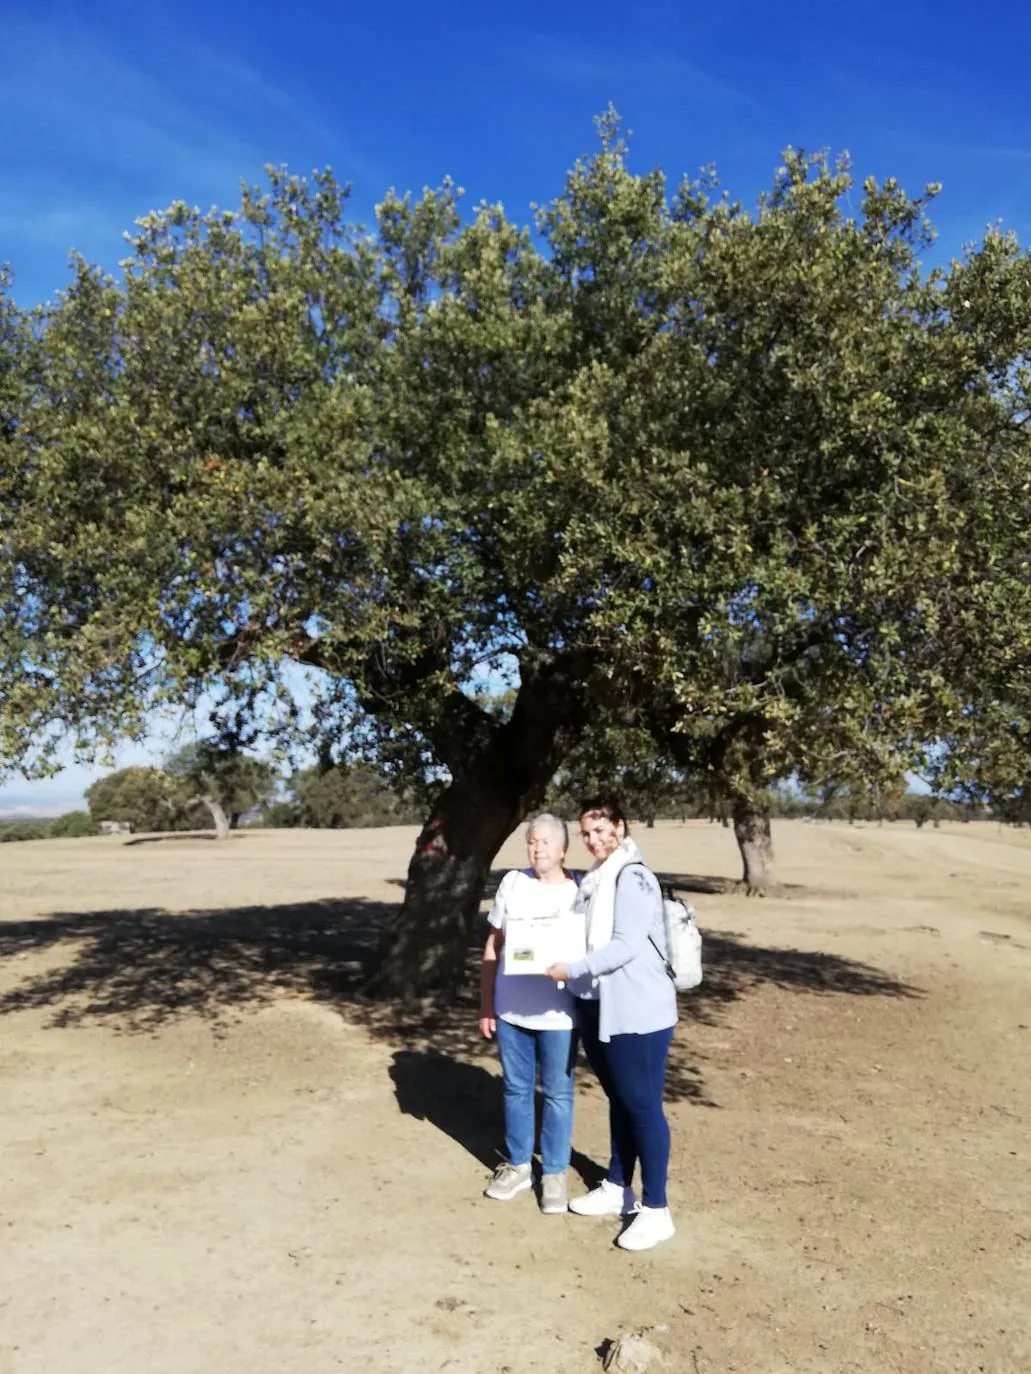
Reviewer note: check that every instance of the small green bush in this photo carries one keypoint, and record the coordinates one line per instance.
(73, 825)
(22, 830)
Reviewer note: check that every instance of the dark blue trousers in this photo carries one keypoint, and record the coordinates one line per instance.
(632, 1071)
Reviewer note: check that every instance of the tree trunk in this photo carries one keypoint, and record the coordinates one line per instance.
(219, 817)
(504, 775)
(426, 950)
(752, 832)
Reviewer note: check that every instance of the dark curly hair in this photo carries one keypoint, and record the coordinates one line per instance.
(605, 804)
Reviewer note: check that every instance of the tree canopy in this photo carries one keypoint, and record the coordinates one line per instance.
(732, 476)
(140, 796)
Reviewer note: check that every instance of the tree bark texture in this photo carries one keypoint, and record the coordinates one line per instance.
(499, 782)
(755, 841)
(428, 944)
(218, 816)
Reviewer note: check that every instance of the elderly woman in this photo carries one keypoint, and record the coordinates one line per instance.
(530, 1014)
(626, 1011)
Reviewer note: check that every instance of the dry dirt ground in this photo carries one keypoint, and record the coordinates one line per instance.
(214, 1157)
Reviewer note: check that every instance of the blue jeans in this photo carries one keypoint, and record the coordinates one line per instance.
(521, 1051)
(632, 1071)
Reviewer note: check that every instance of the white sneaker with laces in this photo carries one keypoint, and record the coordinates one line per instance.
(650, 1226)
(509, 1180)
(607, 1200)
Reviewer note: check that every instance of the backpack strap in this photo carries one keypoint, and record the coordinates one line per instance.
(670, 971)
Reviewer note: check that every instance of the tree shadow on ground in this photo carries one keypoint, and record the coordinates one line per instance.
(715, 885)
(145, 967)
(138, 969)
(178, 836)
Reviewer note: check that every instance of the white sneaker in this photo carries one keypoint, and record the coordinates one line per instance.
(650, 1226)
(607, 1200)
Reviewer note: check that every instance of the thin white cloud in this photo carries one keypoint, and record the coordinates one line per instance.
(87, 107)
(246, 81)
(100, 129)
(64, 227)
(557, 59)
(976, 151)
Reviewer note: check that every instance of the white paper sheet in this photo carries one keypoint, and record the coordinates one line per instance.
(534, 943)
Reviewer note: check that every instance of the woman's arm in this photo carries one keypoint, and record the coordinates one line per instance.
(488, 975)
(637, 900)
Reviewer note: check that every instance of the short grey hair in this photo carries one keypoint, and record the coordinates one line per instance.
(556, 823)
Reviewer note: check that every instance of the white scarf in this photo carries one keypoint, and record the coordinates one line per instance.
(597, 894)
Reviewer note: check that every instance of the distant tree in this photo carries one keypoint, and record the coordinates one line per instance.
(789, 803)
(844, 799)
(918, 807)
(280, 815)
(1013, 808)
(227, 782)
(349, 795)
(73, 825)
(956, 809)
(144, 797)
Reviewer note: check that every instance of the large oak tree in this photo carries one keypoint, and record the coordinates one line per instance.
(611, 456)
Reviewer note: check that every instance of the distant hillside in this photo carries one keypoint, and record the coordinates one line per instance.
(31, 813)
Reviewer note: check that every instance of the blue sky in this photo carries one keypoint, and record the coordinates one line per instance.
(110, 109)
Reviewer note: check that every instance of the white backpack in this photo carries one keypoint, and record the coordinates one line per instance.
(683, 959)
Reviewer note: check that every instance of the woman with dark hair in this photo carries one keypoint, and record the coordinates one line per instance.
(626, 1009)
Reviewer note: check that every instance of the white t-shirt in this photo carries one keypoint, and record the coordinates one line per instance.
(528, 1000)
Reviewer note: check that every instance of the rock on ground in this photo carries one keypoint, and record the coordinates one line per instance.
(631, 1353)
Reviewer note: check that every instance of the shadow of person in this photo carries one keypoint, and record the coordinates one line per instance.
(465, 1101)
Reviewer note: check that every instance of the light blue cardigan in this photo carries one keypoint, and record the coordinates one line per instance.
(636, 993)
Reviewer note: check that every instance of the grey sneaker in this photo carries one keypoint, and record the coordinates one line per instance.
(508, 1180)
(554, 1197)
